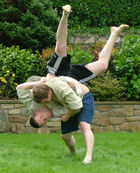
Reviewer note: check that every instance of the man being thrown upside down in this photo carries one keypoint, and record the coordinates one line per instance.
(64, 97)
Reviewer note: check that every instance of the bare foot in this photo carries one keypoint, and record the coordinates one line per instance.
(67, 8)
(87, 161)
(119, 29)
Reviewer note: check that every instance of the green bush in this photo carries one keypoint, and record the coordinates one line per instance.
(106, 87)
(99, 13)
(15, 67)
(80, 56)
(29, 24)
(127, 66)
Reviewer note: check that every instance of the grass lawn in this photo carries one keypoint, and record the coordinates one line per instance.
(47, 153)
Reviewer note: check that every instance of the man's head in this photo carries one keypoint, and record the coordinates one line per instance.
(40, 117)
(42, 93)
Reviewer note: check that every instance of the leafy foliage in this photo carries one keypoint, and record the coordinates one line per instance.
(127, 66)
(80, 56)
(29, 24)
(101, 13)
(46, 54)
(105, 87)
(15, 67)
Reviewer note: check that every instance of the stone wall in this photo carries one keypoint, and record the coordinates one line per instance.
(108, 117)
(86, 42)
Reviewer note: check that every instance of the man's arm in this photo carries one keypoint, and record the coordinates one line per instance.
(30, 85)
(67, 116)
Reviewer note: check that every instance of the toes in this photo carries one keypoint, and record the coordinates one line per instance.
(67, 8)
(124, 26)
(87, 161)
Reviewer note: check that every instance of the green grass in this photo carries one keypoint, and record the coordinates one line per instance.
(47, 153)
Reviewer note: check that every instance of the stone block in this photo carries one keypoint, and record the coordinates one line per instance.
(127, 126)
(110, 128)
(79, 40)
(19, 105)
(117, 128)
(4, 128)
(13, 128)
(4, 123)
(43, 130)
(117, 107)
(21, 129)
(96, 114)
(24, 112)
(104, 119)
(136, 127)
(54, 130)
(17, 119)
(129, 110)
(72, 40)
(133, 118)
(96, 121)
(117, 120)
(31, 130)
(90, 40)
(102, 108)
(137, 107)
(117, 113)
(137, 112)
(98, 129)
(7, 106)
(14, 111)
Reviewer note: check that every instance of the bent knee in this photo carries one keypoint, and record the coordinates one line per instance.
(61, 49)
(84, 126)
(66, 136)
(104, 66)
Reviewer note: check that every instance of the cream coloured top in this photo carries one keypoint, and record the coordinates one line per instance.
(69, 98)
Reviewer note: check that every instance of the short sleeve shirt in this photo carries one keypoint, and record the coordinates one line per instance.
(65, 94)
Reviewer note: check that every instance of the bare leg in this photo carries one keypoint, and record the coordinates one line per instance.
(61, 38)
(88, 140)
(70, 142)
(102, 64)
(61, 35)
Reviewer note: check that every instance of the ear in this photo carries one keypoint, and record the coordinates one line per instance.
(49, 91)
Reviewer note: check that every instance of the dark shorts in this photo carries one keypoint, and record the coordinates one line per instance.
(85, 115)
(60, 66)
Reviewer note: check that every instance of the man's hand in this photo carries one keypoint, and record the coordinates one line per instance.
(72, 85)
(67, 116)
(64, 118)
(30, 85)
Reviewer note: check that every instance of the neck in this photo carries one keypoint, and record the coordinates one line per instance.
(54, 98)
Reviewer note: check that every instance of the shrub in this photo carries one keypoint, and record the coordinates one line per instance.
(101, 13)
(106, 87)
(15, 67)
(80, 56)
(29, 24)
(46, 54)
(127, 66)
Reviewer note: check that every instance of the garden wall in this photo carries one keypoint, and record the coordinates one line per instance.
(108, 117)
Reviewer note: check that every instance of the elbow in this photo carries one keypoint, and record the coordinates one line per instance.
(104, 66)
(18, 87)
